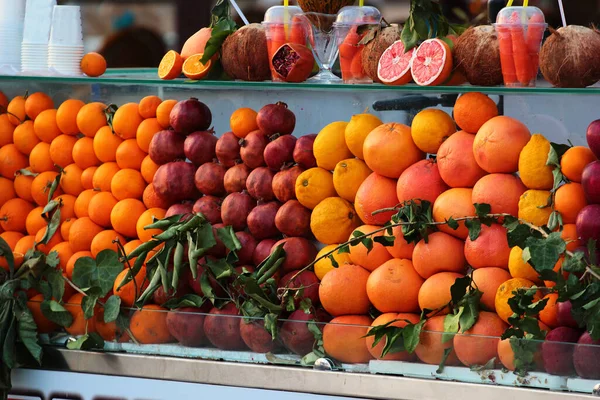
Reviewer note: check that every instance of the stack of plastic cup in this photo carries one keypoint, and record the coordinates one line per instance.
(12, 14)
(65, 49)
(36, 33)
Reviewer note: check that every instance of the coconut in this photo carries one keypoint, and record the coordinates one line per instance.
(244, 54)
(375, 48)
(477, 56)
(569, 58)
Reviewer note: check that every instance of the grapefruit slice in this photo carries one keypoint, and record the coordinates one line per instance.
(170, 66)
(194, 69)
(432, 63)
(394, 65)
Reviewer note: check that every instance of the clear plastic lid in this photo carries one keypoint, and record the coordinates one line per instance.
(281, 14)
(355, 15)
(521, 15)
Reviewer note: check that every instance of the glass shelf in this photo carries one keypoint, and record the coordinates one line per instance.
(148, 77)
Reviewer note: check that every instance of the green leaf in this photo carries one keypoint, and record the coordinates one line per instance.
(84, 272)
(546, 252)
(206, 287)
(56, 313)
(205, 237)
(474, 226)
(271, 320)
(471, 311)
(460, 288)
(109, 267)
(518, 235)
(333, 261)
(52, 259)
(412, 334)
(409, 38)
(229, 239)
(368, 243)
(575, 263)
(112, 307)
(6, 252)
(555, 154)
(591, 250)
(344, 249)
(220, 268)
(444, 359)
(482, 210)
(90, 341)
(57, 284)
(52, 227)
(385, 240)
(452, 223)
(27, 329)
(88, 303)
(53, 188)
(188, 300)
(451, 325)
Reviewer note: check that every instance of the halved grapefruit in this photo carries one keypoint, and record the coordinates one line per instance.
(394, 65)
(432, 63)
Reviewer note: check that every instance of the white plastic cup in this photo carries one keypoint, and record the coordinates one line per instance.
(38, 20)
(12, 11)
(66, 26)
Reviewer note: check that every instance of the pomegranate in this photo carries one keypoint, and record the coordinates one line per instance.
(210, 207)
(209, 179)
(293, 219)
(183, 209)
(306, 280)
(253, 148)
(235, 210)
(248, 246)
(189, 116)
(228, 149)
(295, 333)
(195, 283)
(179, 189)
(280, 152)
(590, 180)
(199, 147)
(259, 184)
(303, 152)
(284, 184)
(222, 328)
(263, 250)
(257, 338)
(276, 118)
(166, 146)
(293, 62)
(299, 252)
(219, 250)
(235, 178)
(261, 220)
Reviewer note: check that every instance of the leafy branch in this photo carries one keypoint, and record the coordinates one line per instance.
(426, 21)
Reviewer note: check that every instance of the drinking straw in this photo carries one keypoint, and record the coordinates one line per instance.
(239, 11)
(509, 4)
(286, 16)
(562, 13)
(361, 3)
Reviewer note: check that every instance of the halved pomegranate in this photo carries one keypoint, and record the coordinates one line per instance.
(293, 62)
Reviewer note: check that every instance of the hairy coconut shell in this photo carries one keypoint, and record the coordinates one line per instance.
(375, 48)
(244, 54)
(569, 57)
(477, 56)
(324, 6)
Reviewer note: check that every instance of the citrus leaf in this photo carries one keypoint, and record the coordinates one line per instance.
(229, 239)
(451, 325)
(444, 359)
(411, 334)
(52, 227)
(6, 252)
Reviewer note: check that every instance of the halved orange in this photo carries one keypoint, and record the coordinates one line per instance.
(194, 69)
(170, 66)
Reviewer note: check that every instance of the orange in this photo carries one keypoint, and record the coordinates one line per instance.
(61, 150)
(335, 286)
(100, 207)
(376, 193)
(569, 199)
(90, 118)
(13, 215)
(148, 217)
(170, 66)
(430, 128)
(25, 138)
(131, 246)
(394, 287)
(80, 325)
(70, 180)
(109, 331)
(36, 103)
(435, 291)
(132, 289)
(87, 176)
(129, 155)
(472, 110)
(16, 110)
(243, 121)
(7, 190)
(569, 235)
(348, 175)
(454, 203)
(382, 146)
(549, 315)
(103, 176)
(39, 158)
(41, 186)
(11, 238)
(146, 131)
(401, 248)
(83, 201)
(194, 69)
(430, 349)
(22, 186)
(344, 338)
(152, 199)
(45, 126)
(35, 221)
(104, 240)
(330, 147)
(357, 130)
(67, 206)
(488, 280)
(127, 184)
(440, 253)
(71, 263)
(313, 186)
(506, 354)
(82, 233)
(148, 106)
(420, 181)
(519, 268)
(6, 130)
(105, 144)
(324, 265)
(25, 244)
(11, 161)
(505, 292)
(401, 323)
(54, 240)
(148, 169)
(490, 249)
(63, 249)
(93, 64)
(498, 144)
(149, 325)
(333, 211)
(501, 191)
(65, 228)
(479, 344)
(66, 116)
(124, 216)
(533, 207)
(369, 260)
(83, 153)
(574, 161)
(533, 170)
(163, 113)
(126, 121)
(43, 324)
